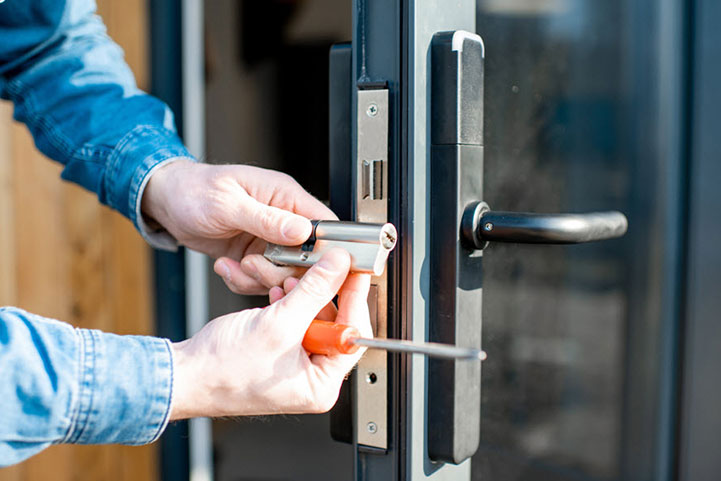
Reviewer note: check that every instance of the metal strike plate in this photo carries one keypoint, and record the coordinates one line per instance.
(371, 205)
(367, 244)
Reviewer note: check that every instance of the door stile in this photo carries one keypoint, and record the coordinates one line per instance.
(391, 42)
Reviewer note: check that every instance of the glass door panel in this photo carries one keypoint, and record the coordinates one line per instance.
(577, 336)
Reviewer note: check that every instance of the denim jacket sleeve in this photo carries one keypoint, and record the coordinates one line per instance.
(66, 385)
(72, 88)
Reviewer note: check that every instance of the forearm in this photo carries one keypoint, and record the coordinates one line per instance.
(66, 385)
(80, 102)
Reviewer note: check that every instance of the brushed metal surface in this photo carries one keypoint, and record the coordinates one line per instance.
(371, 386)
(367, 244)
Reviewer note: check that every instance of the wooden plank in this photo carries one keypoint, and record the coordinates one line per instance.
(42, 268)
(40, 233)
(88, 258)
(54, 463)
(13, 473)
(7, 209)
(128, 273)
(127, 24)
(64, 256)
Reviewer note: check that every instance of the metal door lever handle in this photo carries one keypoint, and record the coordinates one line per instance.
(480, 225)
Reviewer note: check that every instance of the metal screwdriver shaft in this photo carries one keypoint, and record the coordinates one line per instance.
(329, 338)
(432, 349)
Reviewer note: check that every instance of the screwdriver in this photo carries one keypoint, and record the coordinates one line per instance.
(329, 338)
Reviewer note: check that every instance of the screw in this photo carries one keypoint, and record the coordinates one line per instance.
(488, 226)
(372, 427)
(304, 256)
(372, 110)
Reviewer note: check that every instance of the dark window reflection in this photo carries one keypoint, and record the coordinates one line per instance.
(571, 388)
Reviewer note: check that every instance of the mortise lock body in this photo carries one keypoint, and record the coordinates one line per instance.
(367, 244)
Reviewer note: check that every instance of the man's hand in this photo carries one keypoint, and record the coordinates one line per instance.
(229, 212)
(253, 362)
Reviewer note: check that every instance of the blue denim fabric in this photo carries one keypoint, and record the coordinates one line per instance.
(60, 384)
(71, 87)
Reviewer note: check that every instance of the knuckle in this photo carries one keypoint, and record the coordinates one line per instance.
(266, 220)
(285, 178)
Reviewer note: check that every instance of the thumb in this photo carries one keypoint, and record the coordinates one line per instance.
(273, 224)
(313, 292)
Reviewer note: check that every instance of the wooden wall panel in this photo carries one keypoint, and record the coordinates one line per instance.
(7, 209)
(63, 255)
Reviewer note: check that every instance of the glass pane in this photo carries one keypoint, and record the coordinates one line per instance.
(572, 386)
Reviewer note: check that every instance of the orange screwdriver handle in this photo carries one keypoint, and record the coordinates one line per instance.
(329, 338)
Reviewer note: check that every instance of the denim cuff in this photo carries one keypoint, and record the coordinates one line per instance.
(125, 388)
(158, 238)
(132, 160)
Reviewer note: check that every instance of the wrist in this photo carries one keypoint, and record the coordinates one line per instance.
(154, 201)
(181, 406)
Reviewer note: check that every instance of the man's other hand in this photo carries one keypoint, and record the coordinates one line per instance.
(253, 362)
(229, 212)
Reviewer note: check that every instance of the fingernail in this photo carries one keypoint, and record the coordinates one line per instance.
(329, 261)
(225, 270)
(325, 263)
(294, 229)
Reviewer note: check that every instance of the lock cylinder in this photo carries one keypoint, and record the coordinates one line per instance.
(368, 245)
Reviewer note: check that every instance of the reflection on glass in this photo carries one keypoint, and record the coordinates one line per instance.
(571, 332)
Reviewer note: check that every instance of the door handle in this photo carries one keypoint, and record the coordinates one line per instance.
(480, 224)
(460, 226)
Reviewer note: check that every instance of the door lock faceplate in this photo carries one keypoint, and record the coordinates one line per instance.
(371, 205)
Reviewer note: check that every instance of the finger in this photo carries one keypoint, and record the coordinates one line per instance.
(315, 290)
(337, 367)
(328, 313)
(256, 246)
(275, 294)
(266, 273)
(310, 207)
(353, 303)
(303, 202)
(290, 283)
(281, 190)
(271, 223)
(352, 310)
(235, 279)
